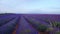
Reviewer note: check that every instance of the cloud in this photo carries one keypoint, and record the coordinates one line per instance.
(46, 11)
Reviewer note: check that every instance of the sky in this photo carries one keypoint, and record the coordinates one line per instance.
(30, 6)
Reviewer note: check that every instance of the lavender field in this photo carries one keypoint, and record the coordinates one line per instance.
(29, 24)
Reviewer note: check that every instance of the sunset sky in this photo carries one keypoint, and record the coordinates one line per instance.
(30, 6)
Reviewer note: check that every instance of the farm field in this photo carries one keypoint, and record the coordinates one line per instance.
(29, 24)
